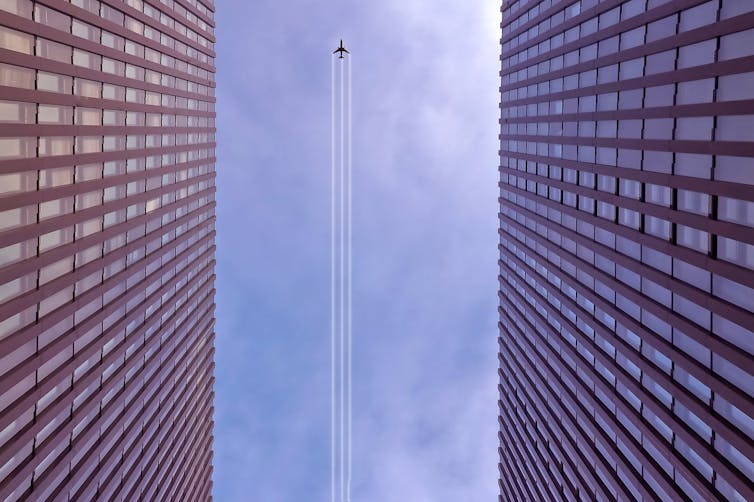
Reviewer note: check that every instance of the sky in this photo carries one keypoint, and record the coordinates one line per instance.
(425, 126)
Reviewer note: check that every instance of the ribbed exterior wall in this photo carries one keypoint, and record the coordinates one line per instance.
(107, 168)
(627, 250)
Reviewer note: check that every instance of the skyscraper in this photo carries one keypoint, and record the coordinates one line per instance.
(627, 250)
(106, 249)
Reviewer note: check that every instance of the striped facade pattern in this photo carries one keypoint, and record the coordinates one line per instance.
(107, 214)
(627, 250)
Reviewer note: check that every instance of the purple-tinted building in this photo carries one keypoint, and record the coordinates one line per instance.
(627, 250)
(107, 168)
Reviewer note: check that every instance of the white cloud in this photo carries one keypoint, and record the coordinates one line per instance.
(425, 202)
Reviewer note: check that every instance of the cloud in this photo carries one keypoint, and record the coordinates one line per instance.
(425, 255)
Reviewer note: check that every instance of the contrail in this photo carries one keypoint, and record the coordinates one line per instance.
(341, 318)
(350, 290)
(342, 276)
(332, 280)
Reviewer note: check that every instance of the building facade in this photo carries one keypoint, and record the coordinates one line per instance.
(107, 167)
(627, 250)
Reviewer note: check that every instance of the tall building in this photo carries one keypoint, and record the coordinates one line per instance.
(106, 249)
(627, 250)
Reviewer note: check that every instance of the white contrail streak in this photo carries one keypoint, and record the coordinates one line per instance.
(340, 282)
(342, 295)
(332, 280)
(350, 295)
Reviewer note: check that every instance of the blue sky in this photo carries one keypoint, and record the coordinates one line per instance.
(425, 249)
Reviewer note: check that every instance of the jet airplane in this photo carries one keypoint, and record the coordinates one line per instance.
(341, 50)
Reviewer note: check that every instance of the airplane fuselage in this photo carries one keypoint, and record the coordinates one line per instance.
(341, 50)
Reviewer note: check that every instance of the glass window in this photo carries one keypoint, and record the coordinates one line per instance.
(632, 38)
(659, 96)
(692, 311)
(88, 144)
(608, 46)
(113, 41)
(734, 415)
(52, 18)
(17, 113)
(17, 148)
(87, 59)
(735, 128)
(90, 5)
(135, 95)
(15, 76)
(631, 99)
(727, 490)
(695, 128)
(689, 453)
(692, 238)
(55, 270)
(18, 182)
(88, 172)
(15, 40)
(55, 145)
(113, 117)
(736, 45)
(657, 227)
(113, 143)
(701, 15)
(735, 169)
(86, 31)
(51, 114)
(88, 88)
(658, 128)
(691, 164)
(54, 83)
(607, 129)
(658, 293)
(21, 8)
(17, 217)
(696, 91)
(134, 72)
(629, 128)
(114, 92)
(134, 25)
(134, 49)
(53, 50)
(113, 66)
(697, 54)
(735, 210)
(732, 8)
(88, 116)
(660, 63)
(112, 15)
(691, 274)
(734, 333)
(607, 74)
(744, 464)
(630, 188)
(692, 347)
(736, 252)
(632, 8)
(633, 68)
(607, 102)
(693, 202)
(735, 87)
(657, 194)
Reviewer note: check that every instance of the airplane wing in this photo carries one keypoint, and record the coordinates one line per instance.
(335, 51)
(346, 51)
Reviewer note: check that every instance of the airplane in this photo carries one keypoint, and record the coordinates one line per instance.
(341, 50)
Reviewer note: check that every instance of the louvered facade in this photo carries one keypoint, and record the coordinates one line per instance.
(107, 169)
(627, 250)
